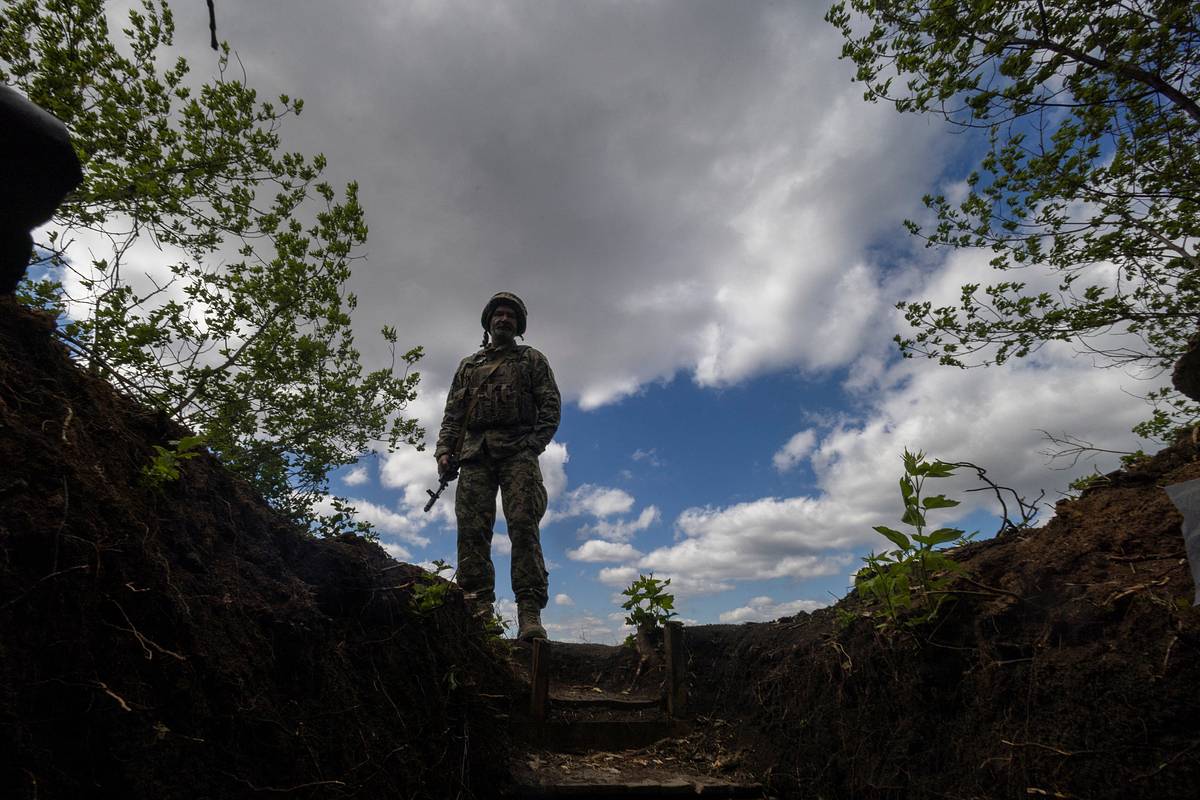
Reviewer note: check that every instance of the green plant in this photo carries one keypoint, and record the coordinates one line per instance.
(648, 604)
(844, 617)
(910, 582)
(430, 589)
(497, 626)
(164, 467)
(1086, 176)
(1083, 482)
(241, 329)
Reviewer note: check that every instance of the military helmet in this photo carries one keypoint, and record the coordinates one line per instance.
(504, 299)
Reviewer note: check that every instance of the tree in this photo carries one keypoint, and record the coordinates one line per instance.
(243, 332)
(1092, 170)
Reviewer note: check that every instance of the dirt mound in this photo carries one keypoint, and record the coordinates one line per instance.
(1067, 665)
(183, 641)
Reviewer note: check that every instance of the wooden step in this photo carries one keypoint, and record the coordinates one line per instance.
(618, 774)
(643, 789)
(579, 736)
(600, 700)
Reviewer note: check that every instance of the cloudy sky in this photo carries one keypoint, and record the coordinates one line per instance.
(704, 219)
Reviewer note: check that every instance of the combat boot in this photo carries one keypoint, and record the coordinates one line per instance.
(529, 621)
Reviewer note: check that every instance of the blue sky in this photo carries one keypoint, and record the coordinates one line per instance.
(705, 221)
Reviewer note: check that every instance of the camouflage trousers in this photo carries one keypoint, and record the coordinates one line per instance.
(523, 496)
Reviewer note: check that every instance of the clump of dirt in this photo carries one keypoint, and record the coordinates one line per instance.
(1065, 665)
(184, 641)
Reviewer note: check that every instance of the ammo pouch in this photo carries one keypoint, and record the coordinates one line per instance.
(505, 398)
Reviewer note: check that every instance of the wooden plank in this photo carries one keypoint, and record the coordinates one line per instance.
(539, 674)
(676, 670)
(609, 735)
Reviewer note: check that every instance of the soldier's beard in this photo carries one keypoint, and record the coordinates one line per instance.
(503, 336)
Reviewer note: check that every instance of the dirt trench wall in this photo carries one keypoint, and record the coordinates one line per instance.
(1067, 666)
(186, 642)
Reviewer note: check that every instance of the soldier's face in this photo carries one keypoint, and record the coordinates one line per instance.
(503, 325)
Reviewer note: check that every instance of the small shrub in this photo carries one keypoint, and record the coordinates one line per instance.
(648, 604)
(910, 583)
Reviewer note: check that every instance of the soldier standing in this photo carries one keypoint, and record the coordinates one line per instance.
(502, 411)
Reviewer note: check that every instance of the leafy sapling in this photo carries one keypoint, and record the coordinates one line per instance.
(164, 467)
(649, 604)
(910, 583)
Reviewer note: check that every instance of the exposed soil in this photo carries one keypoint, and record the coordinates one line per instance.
(183, 641)
(1068, 665)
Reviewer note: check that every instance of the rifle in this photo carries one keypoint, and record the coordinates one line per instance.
(443, 482)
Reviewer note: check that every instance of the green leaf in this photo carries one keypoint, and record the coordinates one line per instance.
(894, 536)
(938, 501)
(940, 469)
(913, 517)
(943, 535)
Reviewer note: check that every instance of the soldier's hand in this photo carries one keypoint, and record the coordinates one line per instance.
(445, 464)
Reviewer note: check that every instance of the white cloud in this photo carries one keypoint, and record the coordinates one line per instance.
(598, 550)
(413, 473)
(553, 463)
(501, 544)
(763, 609)
(385, 520)
(549, 156)
(598, 501)
(622, 530)
(395, 550)
(585, 627)
(990, 417)
(429, 566)
(617, 576)
(649, 456)
(563, 600)
(356, 477)
(796, 450)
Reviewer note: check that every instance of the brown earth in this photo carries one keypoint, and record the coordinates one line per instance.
(185, 642)
(1067, 665)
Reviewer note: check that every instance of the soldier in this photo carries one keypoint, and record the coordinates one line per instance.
(502, 411)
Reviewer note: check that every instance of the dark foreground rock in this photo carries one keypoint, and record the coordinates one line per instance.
(1067, 665)
(185, 642)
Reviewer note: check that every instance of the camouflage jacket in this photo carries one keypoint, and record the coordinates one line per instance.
(517, 405)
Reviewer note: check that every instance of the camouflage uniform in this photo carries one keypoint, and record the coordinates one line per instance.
(515, 414)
